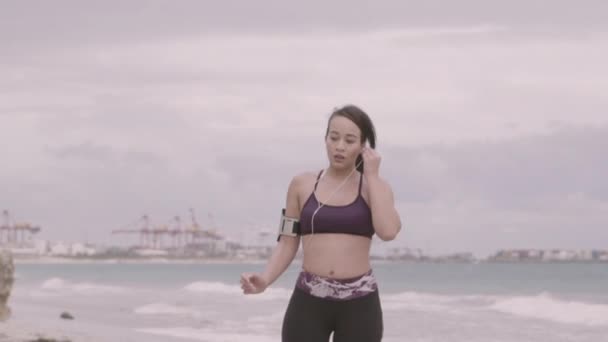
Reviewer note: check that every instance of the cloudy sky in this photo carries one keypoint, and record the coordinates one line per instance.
(491, 115)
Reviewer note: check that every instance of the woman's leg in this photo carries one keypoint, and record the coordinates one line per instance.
(307, 318)
(359, 320)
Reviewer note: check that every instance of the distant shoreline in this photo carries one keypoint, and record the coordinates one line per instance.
(84, 260)
(60, 260)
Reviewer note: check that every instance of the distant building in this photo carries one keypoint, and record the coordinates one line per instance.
(600, 255)
(42, 247)
(404, 253)
(79, 249)
(586, 255)
(59, 249)
(456, 257)
(151, 252)
(23, 252)
(551, 255)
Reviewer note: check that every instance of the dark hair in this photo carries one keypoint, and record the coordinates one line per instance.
(362, 120)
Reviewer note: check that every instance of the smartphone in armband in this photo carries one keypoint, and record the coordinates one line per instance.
(288, 226)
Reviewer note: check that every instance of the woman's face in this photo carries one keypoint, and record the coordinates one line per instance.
(343, 142)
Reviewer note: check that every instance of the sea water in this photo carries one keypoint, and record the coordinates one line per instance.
(423, 302)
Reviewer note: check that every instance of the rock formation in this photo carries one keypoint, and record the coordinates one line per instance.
(7, 269)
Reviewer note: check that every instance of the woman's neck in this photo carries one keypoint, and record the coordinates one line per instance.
(339, 174)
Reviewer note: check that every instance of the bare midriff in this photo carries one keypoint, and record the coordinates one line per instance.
(337, 256)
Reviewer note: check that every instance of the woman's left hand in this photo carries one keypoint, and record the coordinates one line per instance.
(371, 161)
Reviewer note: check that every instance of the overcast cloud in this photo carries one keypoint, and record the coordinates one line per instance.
(491, 115)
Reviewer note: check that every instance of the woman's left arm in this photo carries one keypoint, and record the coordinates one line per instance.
(385, 217)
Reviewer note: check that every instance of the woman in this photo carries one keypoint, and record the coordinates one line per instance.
(338, 211)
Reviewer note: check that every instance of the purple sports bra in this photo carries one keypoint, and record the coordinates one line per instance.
(354, 218)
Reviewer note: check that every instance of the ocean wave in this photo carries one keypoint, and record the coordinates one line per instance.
(276, 317)
(59, 285)
(544, 306)
(429, 302)
(214, 288)
(165, 309)
(547, 307)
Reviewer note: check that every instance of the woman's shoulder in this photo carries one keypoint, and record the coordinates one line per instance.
(304, 178)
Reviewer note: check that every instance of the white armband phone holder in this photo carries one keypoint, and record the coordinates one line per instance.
(288, 226)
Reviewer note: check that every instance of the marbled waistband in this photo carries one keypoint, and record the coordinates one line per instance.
(337, 289)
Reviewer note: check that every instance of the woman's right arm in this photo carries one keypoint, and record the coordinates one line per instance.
(283, 253)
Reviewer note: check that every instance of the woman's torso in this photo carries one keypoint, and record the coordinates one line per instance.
(340, 245)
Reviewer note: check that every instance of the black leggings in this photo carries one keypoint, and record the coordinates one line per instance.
(312, 319)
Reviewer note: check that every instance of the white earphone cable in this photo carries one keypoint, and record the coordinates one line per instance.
(322, 204)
